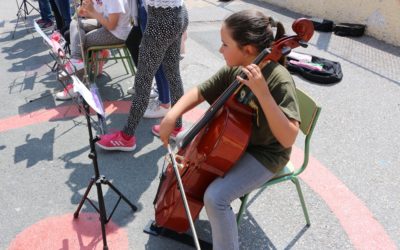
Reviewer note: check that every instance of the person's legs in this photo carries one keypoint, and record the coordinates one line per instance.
(101, 36)
(171, 62)
(57, 15)
(161, 80)
(133, 42)
(172, 72)
(64, 9)
(86, 26)
(161, 31)
(246, 175)
(162, 87)
(45, 12)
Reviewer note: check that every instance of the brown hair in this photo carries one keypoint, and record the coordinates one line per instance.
(252, 27)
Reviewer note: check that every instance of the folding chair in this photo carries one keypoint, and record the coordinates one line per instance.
(309, 112)
(93, 58)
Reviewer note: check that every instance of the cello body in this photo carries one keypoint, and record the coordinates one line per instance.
(211, 154)
(215, 143)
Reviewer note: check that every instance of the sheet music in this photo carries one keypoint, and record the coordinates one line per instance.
(54, 45)
(91, 97)
(87, 95)
(42, 34)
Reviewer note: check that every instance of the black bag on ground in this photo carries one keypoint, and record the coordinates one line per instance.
(331, 72)
(349, 29)
(320, 24)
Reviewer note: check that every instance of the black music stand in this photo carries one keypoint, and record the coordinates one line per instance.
(89, 99)
(97, 178)
(22, 12)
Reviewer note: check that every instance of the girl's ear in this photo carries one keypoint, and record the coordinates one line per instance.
(250, 50)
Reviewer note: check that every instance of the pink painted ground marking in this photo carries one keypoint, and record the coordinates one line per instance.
(66, 233)
(364, 231)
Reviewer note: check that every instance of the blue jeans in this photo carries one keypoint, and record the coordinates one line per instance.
(247, 175)
(64, 9)
(161, 80)
(44, 8)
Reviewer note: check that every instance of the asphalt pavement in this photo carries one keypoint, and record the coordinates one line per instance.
(350, 187)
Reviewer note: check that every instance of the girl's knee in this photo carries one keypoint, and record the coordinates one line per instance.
(212, 198)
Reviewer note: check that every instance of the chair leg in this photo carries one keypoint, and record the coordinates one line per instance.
(239, 216)
(95, 66)
(122, 58)
(89, 63)
(130, 63)
(301, 197)
(113, 55)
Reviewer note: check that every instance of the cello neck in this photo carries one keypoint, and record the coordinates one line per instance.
(213, 109)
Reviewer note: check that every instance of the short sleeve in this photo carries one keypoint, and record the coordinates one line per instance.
(115, 6)
(216, 85)
(283, 90)
(286, 99)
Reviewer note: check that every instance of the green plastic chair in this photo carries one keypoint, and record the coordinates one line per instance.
(309, 112)
(93, 58)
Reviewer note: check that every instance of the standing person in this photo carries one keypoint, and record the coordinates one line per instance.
(64, 9)
(57, 15)
(107, 22)
(275, 125)
(45, 15)
(160, 96)
(166, 21)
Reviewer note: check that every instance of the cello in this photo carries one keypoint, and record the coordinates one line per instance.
(214, 143)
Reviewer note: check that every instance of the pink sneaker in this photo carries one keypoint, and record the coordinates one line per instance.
(105, 53)
(116, 141)
(156, 131)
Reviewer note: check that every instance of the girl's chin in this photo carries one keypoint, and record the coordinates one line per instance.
(230, 64)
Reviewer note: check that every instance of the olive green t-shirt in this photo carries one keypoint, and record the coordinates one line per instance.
(263, 144)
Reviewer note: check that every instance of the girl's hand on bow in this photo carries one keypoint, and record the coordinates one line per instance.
(167, 125)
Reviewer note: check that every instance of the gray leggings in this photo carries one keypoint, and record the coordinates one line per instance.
(247, 175)
(92, 33)
(160, 44)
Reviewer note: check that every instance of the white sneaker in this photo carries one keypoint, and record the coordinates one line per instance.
(72, 66)
(67, 94)
(155, 110)
(131, 90)
(153, 92)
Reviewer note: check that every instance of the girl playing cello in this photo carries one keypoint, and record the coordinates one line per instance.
(275, 125)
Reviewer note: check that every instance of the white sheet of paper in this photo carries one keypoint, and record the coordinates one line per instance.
(54, 45)
(87, 95)
(42, 34)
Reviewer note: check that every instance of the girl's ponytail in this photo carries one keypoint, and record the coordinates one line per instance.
(280, 33)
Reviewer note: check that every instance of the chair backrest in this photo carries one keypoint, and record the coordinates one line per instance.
(309, 112)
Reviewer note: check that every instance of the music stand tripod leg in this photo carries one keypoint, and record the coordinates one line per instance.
(107, 182)
(20, 8)
(22, 13)
(99, 180)
(26, 7)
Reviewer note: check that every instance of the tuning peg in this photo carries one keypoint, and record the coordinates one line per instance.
(286, 51)
(303, 44)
